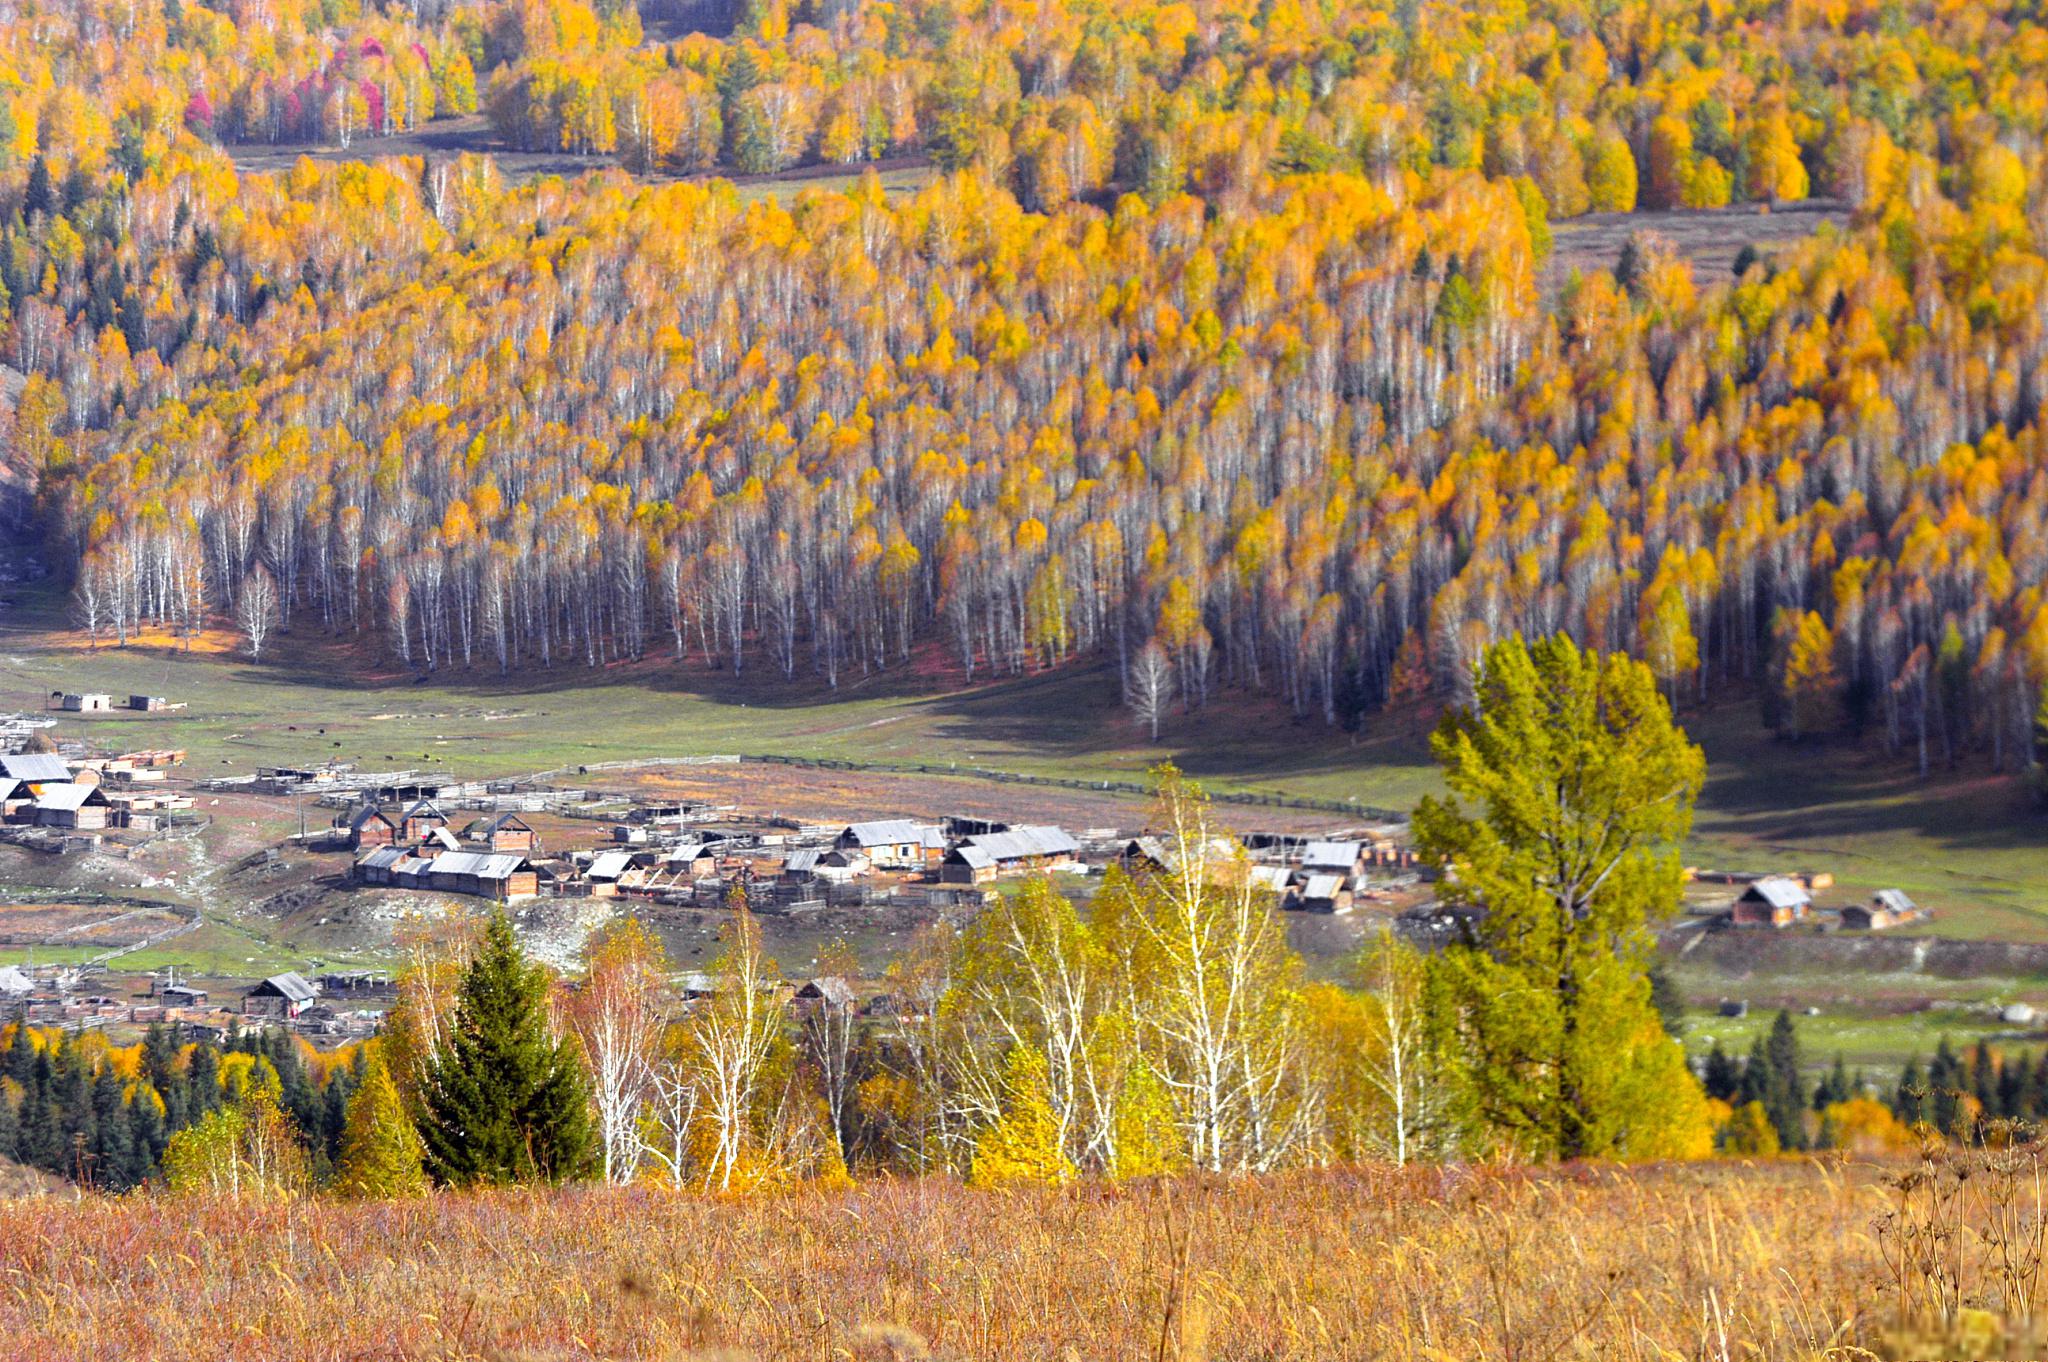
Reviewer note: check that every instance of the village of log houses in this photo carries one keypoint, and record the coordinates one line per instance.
(571, 850)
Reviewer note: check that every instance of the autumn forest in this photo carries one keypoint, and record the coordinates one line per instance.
(1225, 342)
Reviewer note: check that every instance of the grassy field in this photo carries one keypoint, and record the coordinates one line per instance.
(1968, 844)
(1768, 1262)
(1876, 1041)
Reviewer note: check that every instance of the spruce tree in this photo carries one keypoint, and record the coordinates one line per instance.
(1723, 1076)
(20, 1060)
(1909, 1099)
(380, 1149)
(202, 1085)
(2013, 1074)
(1984, 1080)
(41, 195)
(1786, 1101)
(506, 1101)
(1835, 1087)
(112, 1151)
(1945, 1082)
(146, 1134)
(1757, 1081)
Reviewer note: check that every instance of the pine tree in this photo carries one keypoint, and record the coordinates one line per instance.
(1758, 1081)
(506, 1101)
(1722, 1076)
(41, 194)
(146, 1134)
(380, 1149)
(1909, 1099)
(2013, 1075)
(1787, 1097)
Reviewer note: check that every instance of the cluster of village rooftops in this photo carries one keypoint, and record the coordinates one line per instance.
(660, 854)
(42, 789)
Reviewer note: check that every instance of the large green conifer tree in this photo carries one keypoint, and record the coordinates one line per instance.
(506, 1101)
(1570, 788)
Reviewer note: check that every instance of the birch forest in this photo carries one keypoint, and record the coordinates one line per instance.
(1224, 340)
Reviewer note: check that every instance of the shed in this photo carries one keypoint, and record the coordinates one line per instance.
(1339, 858)
(1159, 856)
(71, 806)
(605, 871)
(895, 843)
(826, 991)
(497, 875)
(1887, 908)
(1774, 901)
(505, 832)
(1037, 847)
(375, 866)
(181, 995)
(370, 826)
(35, 768)
(440, 839)
(1320, 893)
(690, 858)
(281, 995)
(148, 703)
(420, 817)
(967, 864)
(412, 872)
(88, 702)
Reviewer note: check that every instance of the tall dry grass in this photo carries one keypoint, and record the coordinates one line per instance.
(1714, 1261)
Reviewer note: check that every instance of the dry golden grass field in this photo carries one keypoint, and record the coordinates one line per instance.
(1710, 1261)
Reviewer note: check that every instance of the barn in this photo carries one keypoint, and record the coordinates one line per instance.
(1775, 901)
(370, 826)
(489, 874)
(419, 819)
(281, 995)
(1040, 847)
(505, 832)
(375, 867)
(893, 843)
(967, 864)
(1320, 893)
(71, 806)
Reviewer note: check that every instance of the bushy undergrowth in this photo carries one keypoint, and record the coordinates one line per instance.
(1778, 1260)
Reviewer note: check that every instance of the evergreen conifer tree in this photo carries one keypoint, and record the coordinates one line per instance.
(1945, 1083)
(1723, 1076)
(1909, 1099)
(2013, 1074)
(506, 1101)
(380, 1149)
(1786, 1101)
(146, 1133)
